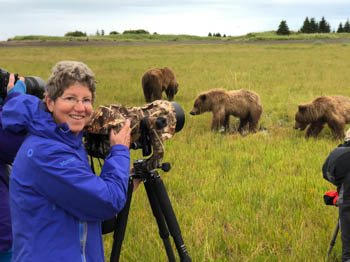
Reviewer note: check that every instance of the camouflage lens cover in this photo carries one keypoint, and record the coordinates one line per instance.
(113, 116)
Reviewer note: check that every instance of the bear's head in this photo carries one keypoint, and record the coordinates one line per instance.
(201, 105)
(171, 91)
(301, 117)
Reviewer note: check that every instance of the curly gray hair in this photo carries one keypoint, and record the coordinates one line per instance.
(66, 73)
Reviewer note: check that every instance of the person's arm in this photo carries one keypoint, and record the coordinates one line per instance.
(10, 142)
(20, 111)
(66, 179)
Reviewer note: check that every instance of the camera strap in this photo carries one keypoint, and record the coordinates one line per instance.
(92, 164)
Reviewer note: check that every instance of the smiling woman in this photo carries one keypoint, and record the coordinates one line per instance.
(70, 109)
(53, 192)
(70, 94)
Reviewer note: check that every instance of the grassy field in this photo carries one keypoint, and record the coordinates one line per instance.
(252, 198)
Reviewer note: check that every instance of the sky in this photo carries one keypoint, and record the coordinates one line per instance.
(190, 17)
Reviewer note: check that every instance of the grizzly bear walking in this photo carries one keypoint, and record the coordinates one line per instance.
(243, 104)
(331, 110)
(157, 80)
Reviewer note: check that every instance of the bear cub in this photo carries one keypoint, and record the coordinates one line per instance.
(331, 110)
(244, 104)
(157, 80)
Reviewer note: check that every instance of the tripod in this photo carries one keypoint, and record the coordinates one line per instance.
(162, 211)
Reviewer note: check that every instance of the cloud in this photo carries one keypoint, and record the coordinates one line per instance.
(196, 17)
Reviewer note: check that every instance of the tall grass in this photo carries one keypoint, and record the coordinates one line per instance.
(252, 198)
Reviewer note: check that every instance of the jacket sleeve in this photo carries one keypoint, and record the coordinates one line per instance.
(10, 143)
(19, 111)
(65, 178)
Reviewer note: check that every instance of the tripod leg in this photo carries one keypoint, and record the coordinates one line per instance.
(120, 226)
(170, 218)
(331, 245)
(157, 212)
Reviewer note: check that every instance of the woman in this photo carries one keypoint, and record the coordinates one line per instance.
(57, 203)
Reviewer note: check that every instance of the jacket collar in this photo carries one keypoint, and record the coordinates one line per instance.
(47, 128)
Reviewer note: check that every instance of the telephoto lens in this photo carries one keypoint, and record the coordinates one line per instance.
(35, 85)
(151, 125)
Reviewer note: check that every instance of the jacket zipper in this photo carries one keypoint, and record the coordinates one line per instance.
(83, 227)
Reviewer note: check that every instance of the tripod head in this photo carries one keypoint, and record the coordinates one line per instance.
(140, 172)
(149, 142)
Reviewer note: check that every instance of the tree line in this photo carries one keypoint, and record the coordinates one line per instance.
(311, 26)
(102, 32)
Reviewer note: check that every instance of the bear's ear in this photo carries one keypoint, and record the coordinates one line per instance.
(302, 108)
(203, 97)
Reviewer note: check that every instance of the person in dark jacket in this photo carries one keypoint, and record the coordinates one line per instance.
(9, 145)
(336, 169)
(57, 202)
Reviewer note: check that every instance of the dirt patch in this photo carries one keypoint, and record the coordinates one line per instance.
(150, 43)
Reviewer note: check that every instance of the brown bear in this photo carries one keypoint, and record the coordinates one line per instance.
(333, 110)
(157, 80)
(243, 104)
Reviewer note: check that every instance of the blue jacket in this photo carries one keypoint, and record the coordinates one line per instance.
(9, 145)
(57, 203)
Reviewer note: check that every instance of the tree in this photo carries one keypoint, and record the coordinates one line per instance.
(306, 29)
(97, 32)
(283, 28)
(340, 28)
(102, 32)
(75, 33)
(313, 26)
(114, 33)
(209, 34)
(324, 27)
(138, 31)
(346, 27)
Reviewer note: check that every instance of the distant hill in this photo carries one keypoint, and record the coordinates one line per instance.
(267, 36)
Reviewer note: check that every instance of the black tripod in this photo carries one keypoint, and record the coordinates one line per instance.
(161, 208)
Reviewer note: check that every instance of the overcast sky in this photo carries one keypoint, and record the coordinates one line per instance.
(193, 17)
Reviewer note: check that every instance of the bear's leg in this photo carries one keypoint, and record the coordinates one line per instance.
(148, 94)
(215, 125)
(170, 93)
(338, 128)
(227, 123)
(218, 120)
(242, 124)
(253, 124)
(157, 93)
(314, 129)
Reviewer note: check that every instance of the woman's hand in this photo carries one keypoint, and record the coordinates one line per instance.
(121, 138)
(11, 82)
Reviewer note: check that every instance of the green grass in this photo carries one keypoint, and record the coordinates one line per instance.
(252, 198)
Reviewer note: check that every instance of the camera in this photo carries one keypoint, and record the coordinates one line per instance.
(35, 85)
(151, 125)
